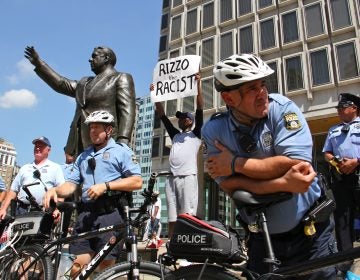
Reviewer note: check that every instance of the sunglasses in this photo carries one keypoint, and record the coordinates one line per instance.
(37, 174)
(345, 128)
(92, 163)
(247, 143)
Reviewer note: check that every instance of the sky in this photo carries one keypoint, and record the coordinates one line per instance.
(64, 33)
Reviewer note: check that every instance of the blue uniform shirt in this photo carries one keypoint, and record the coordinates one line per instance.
(283, 132)
(113, 162)
(51, 176)
(344, 140)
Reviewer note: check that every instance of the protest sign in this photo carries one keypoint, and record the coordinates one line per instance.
(175, 78)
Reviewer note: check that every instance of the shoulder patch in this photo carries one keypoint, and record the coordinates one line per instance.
(218, 115)
(292, 121)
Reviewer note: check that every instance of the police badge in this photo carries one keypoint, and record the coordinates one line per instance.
(292, 121)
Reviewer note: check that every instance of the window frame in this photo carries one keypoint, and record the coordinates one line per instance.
(211, 27)
(299, 29)
(355, 42)
(249, 14)
(177, 39)
(303, 73)
(265, 9)
(274, 48)
(253, 31)
(330, 68)
(342, 29)
(197, 28)
(278, 72)
(323, 19)
(231, 19)
(233, 41)
(212, 38)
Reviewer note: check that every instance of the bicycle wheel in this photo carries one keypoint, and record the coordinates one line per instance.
(12, 264)
(148, 271)
(192, 272)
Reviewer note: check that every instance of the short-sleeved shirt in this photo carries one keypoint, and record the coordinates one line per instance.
(67, 168)
(185, 146)
(283, 132)
(113, 162)
(343, 140)
(51, 176)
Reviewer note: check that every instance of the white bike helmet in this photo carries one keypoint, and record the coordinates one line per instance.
(100, 117)
(235, 70)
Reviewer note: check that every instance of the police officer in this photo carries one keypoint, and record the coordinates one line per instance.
(42, 172)
(262, 144)
(105, 170)
(342, 151)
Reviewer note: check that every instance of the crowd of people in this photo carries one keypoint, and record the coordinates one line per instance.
(261, 144)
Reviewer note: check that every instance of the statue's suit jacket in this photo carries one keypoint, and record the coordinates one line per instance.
(110, 90)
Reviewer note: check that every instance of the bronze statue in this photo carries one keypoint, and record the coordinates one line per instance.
(108, 90)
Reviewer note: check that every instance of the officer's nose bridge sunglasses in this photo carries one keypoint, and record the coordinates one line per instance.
(92, 163)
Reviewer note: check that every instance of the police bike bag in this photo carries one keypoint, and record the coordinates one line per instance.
(197, 240)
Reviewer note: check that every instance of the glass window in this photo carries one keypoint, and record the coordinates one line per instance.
(166, 150)
(188, 104)
(177, 3)
(244, 7)
(347, 61)
(246, 41)
(207, 53)
(208, 15)
(164, 21)
(340, 14)
(191, 22)
(314, 20)
(166, 4)
(290, 27)
(264, 3)
(157, 121)
(226, 45)
(190, 49)
(171, 107)
(320, 71)
(208, 92)
(226, 10)
(155, 147)
(272, 80)
(163, 43)
(174, 53)
(294, 76)
(176, 28)
(267, 34)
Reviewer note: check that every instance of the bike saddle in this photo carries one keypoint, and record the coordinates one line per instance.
(245, 199)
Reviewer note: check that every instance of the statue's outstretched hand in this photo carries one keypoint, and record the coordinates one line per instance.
(32, 55)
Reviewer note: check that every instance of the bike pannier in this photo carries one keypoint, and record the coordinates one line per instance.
(197, 240)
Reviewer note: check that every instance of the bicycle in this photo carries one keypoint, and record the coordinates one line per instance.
(226, 269)
(121, 270)
(24, 233)
(133, 268)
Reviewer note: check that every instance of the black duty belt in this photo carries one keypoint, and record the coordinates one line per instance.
(22, 205)
(103, 205)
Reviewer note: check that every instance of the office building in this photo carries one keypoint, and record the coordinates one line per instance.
(8, 168)
(313, 46)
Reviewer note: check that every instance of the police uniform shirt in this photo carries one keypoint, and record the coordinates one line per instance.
(51, 176)
(343, 140)
(283, 132)
(114, 161)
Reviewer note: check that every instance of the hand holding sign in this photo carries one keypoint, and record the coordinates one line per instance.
(175, 78)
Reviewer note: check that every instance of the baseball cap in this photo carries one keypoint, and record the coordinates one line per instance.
(184, 115)
(348, 99)
(42, 139)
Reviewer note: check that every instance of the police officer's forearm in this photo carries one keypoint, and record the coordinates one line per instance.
(296, 180)
(126, 184)
(267, 168)
(10, 195)
(66, 189)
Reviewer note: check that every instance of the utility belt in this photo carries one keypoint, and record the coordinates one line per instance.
(105, 204)
(349, 180)
(22, 204)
